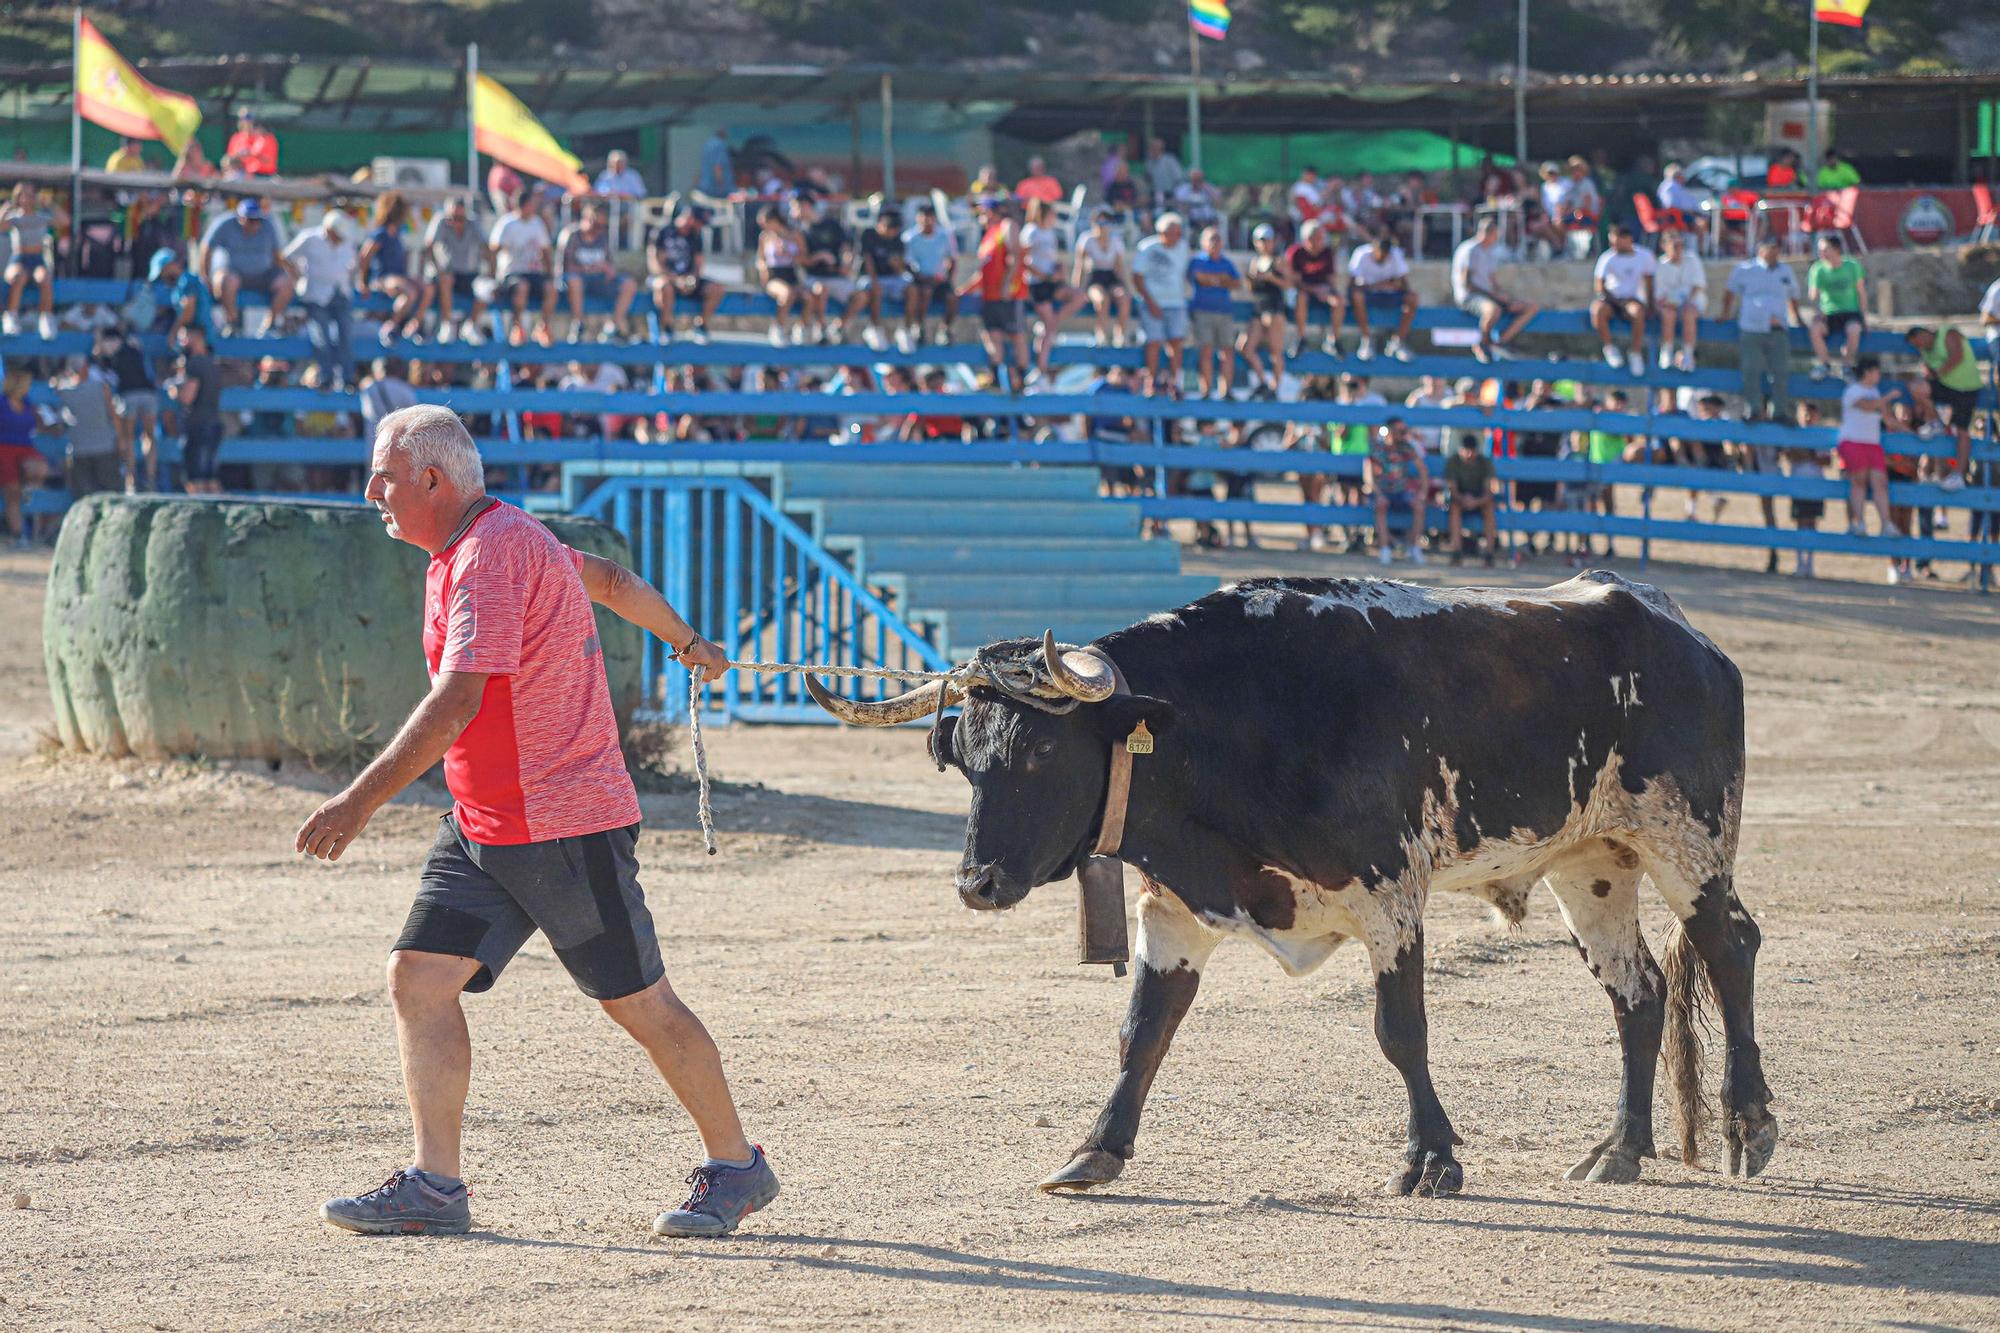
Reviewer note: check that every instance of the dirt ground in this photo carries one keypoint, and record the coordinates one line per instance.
(198, 1050)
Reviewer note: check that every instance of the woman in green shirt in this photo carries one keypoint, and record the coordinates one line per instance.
(1839, 286)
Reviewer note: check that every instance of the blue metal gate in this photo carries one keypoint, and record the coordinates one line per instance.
(752, 580)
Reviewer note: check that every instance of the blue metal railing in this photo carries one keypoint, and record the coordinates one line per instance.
(756, 583)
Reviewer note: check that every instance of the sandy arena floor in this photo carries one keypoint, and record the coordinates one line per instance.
(198, 1049)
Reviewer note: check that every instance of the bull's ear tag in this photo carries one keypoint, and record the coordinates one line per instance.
(1140, 741)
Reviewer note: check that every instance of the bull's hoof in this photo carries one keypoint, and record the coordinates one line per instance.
(1752, 1137)
(1428, 1174)
(1087, 1170)
(1606, 1164)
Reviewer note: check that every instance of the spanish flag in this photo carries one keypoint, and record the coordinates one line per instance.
(1210, 18)
(1846, 13)
(505, 129)
(110, 93)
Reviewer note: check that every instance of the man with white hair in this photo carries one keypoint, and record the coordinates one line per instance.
(1159, 280)
(543, 828)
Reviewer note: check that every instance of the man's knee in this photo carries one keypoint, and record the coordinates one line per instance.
(419, 980)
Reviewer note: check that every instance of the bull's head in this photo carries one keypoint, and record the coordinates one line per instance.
(1038, 776)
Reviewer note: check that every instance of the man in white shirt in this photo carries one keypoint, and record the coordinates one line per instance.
(1159, 280)
(324, 259)
(1623, 286)
(523, 255)
(1379, 284)
(618, 180)
(1989, 324)
(1475, 289)
(1305, 196)
(1675, 193)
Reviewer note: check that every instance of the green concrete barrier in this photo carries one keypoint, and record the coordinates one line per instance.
(252, 628)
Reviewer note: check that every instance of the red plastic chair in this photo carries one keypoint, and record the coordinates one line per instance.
(1833, 212)
(1986, 225)
(1653, 219)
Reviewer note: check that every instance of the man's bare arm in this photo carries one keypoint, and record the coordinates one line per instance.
(630, 597)
(419, 744)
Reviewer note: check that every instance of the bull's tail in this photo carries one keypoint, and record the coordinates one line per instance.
(1689, 990)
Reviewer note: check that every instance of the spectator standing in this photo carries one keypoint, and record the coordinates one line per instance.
(590, 273)
(1379, 284)
(29, 259)
(253, 148)
(1038, 185)
(1680, 294)
(457, 255)
(1762, 295)
(1212, 314)
(239, 253)
(129, 157)
(1860, 448)
(1806, 510)
(197, 393)
(1470, 485)
(120, 356)
(1475, 289)
(383, 268)
(1623, 287)
(1314, 268)
(1001, 280)
(1160, 281)
(1270, 282)
(1838, 287)
(21, 463)
(827, 261)
(619, 180)
(1953, 375)
(715, 175)
(1399, 483)
(1100, 272)
(932, 256)
(523, 257)
(326, 263)
(98, 458)
(674, 259)
(1164, 173)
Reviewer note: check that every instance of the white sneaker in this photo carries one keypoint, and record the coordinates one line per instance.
(906, 342)
(1365, 350)
(1331, 346)
(873, 337)
(1684, 360)
(46, 325)
(1666, 358)
(1896, 576)
(1416, 554)
(698, 335)
(1820, 370)
(1614, 358)
(1953, 481)
(1857, 529)
(445, 333)
(799, 334)
(10, 324)
(1637, 365)
(1499, 352)
(1395, 350)
(472, 335)
(1386, 557)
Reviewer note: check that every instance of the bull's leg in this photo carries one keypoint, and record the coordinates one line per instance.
(1173, 946)
(1726, 939)
(1428, 1166)
(1599, 902)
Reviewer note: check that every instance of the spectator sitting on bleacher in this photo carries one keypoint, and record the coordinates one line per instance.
(22, 466)
(1838, 287)
(383, 390)
(1400, 485)
(1475, 289)
(383, 267)
(326, 263)
(674, 259)
(1497, 184)
(1676, 196)
(1680, 294)
(1038, 184)
(29, 259)
(603, 377)
(618, 180)
(1470, 486)
(1836, 172)
(1164, 173)
(97, 456)
(130, 156)
(590, 272)
(193, 163)
(1399, 213)
(932, 256)
(1314, 268)
(253, 148)
(1121, 194)
(826, 264)
(1305, 198)
(196, 392)
(523, 257)
(239, 253)
(1379, 284)
(457, 257)
(1623, 287)
(1051, 300)
(1099, 271)
(1197, 201)
(883, 273)
(779, 250)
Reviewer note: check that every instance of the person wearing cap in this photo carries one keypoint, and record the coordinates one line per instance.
(254, 148)
(325, 260)
(930, 256)
(180, 297)
(239, 253)
(1270, 283)
(673, 259)
(1001, 282)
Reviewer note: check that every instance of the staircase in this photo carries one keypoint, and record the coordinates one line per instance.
(976, 552)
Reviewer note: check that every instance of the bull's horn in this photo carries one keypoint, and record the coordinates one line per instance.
(920, 702)
(1080, 675)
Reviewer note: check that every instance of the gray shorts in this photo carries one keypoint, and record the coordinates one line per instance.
(1213, 328)
(1169, 326)
(139, 402)
(484, 902)
(89, 474)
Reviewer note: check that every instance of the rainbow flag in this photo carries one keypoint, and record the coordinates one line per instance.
(109, 92)
(1846, 13)
(504, 129)
(1210, 18)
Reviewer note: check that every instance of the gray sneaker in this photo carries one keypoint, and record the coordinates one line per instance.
(723, 1196)
(406, 1204)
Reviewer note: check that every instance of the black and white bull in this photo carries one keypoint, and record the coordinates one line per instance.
(1329, 753)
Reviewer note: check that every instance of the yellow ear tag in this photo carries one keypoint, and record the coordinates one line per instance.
(1140, 741)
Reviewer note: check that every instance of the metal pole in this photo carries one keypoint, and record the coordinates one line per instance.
(1194, 98)
(888, 139)
(1521, 90)
(471, 119)
(75, 134)
(1810, 176)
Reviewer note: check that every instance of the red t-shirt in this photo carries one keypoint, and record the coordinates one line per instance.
(257, 150)
(540, 760)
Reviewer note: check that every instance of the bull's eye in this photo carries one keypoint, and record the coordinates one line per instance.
(1043, 749)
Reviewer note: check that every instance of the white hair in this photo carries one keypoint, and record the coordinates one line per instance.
(430, 435)
(1166, 220)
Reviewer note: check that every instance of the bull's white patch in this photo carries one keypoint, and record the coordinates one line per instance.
(1625, 691)
(1263, 601)
(1169, 935)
